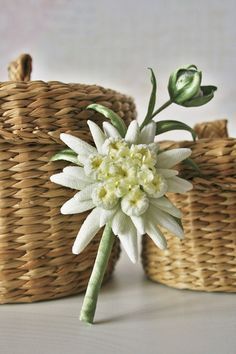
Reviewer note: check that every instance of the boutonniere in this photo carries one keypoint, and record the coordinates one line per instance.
(125, 177)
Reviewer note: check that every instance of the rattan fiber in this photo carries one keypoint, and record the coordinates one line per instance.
(206, 258)
(36, 262)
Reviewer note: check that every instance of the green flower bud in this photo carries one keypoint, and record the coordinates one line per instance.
(184, 84)
(185, 90)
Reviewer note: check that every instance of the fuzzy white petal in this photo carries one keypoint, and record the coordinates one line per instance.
(68, 181)
(73, 206)
(110, 130)
(118, 221)
(178, 185)
(165, 204)
(97, 134)
(132, 133)
(127, 233)
(85, 193)
(156, 235)
(88, 230)
(147, 134)
(78, 145)
(76, 171)
(106, 215)
(130, 243)
(154, 232)
(166, 172)
(82, 159)
(165, 220)
(170, 158)
(139, 223)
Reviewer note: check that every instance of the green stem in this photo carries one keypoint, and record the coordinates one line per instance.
(148, 119)
(168, 103)
(90, 300)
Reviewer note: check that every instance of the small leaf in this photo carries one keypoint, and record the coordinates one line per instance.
(206, 94)
(66, 155)
(164, 126)
(191, 163)
(152, 100)
(115, 119)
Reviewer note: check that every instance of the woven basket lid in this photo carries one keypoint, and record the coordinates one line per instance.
(37, 111)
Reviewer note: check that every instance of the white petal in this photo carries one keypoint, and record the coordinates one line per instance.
(79, 172)
(165, 204)
(178, 185)
(124, 228)
(97, 134)
(82, 159)
(118, 221)
(139, 223)
(156, 235)
(73, 206)
(167, 173)
(110, 130)
(147, 134)
(130, 243)
(106, 215)
(76, 171)
(165, 220)
(132, 133)
(78, 145)
(88, 230)
(85, 193)
(172, 157)
(68, 181)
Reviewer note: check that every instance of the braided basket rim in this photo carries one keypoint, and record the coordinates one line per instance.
(53, 100)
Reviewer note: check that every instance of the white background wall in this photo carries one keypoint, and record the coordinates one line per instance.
(113, 42)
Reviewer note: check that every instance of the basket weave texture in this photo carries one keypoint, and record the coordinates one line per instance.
(36, 261)
(206, 258)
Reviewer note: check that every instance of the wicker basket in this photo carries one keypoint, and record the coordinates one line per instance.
(206, 258)
(36, 262)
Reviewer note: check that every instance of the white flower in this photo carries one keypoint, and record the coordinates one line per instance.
(124, 181)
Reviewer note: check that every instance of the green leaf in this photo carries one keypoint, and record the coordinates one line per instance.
(164, 126)
(152, 100)
(191, 163)
(115, 119)
(206, 94)
(66, 155)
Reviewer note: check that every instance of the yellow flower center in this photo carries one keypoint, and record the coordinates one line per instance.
(127, 174)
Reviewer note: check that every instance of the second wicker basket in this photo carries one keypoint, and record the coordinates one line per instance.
(206, 258)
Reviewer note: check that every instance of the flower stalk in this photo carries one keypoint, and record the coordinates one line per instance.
(148, 119)
(104, 251)
(165, 105)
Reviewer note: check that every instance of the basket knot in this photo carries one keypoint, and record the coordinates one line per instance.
(20, 69)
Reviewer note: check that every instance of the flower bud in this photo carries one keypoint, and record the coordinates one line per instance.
(184, 84)
(185, 90)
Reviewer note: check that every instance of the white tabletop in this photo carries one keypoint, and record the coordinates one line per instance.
(133, 316)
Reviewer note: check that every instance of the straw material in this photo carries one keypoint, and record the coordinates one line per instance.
(206, 258)
(36, 262)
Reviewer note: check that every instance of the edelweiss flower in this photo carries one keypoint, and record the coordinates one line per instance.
(124, 182)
